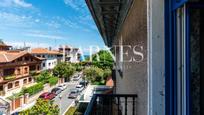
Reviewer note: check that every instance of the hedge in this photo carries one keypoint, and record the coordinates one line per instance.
(53, 80)
(71, 111)
(33, 89)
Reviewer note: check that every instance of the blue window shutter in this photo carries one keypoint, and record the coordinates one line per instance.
(178, 3)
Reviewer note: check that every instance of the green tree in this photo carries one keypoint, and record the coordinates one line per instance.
(63, 70)
(94, 74)
(102, 59)
(43, 77)
(42, 107)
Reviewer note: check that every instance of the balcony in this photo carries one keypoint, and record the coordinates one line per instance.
(10, 77)
(112, 104)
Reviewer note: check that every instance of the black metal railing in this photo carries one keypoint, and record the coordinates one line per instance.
(112, 104)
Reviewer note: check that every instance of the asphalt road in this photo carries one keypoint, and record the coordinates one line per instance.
(65, 102)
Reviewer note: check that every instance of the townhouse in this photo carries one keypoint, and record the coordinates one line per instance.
(50, 57)
(70, 54)
(158, 60)
(15, 69)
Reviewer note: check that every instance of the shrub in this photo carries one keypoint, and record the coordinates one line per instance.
(71, 111)
(33, 89)
(43, 77)
(53, 81)
(42, 107)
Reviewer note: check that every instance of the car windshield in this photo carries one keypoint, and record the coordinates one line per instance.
(73, 91)
(42, 96)
(78, 86)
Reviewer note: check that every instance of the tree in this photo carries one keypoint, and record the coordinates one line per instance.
(43, 77)
(103, 59)
(94, 74)
(63, 70)
(42, 107)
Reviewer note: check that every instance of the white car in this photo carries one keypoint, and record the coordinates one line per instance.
(62, 86)
(76, 77)
(79, 87)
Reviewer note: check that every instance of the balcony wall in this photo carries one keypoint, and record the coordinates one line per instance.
(131, 76)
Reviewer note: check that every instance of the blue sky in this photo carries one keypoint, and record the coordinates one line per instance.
(44, 23)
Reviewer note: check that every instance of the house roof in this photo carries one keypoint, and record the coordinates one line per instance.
(2, 44)
(9, 56)
(43, 51)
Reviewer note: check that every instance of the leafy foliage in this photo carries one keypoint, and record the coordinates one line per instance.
(71, 111)
(102, 59)
(78, 66)
(42, 107)
(97, 75)
(33, 89)
(43, 77)
(53, 80)
(63, 69)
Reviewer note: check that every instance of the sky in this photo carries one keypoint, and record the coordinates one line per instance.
(47, 23)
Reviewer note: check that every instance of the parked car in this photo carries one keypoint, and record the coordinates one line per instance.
(84, 83)
(47, 96)
(56, 90)
(79, 87)
(62, 86)
(73, 94)
(76, 77)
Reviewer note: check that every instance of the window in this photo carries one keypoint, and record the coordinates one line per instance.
(29, 79)
(16, 83)
(10, 85)
(18, 71)
(38, 67)
(25, 81)
(43, 64)
(43, 56)
(19, 59)
(26, 58)
(26, 70)
(49, 64)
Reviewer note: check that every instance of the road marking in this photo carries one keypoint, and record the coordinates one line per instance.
(68, 107)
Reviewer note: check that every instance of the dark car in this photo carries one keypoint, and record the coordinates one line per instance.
(84, 83)
(73, 94)
(56, 90)
(47, 96)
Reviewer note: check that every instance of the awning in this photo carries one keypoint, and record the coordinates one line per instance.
(109, 15)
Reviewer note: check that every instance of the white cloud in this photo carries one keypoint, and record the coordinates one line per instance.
(75, 4)
(39, 35)
(37, 20)
(15, 3)
(22, 3)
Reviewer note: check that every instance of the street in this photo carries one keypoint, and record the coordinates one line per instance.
(65, 102)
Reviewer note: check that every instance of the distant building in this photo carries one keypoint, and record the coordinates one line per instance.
(3, 46)
(70, 54)
(50, 57)
(15, 69)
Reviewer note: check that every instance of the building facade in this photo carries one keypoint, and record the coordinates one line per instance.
(70, 54)
(50, 58)
(156, 44)
(15, 69)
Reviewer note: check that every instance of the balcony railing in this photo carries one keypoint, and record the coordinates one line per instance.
(112, 104)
